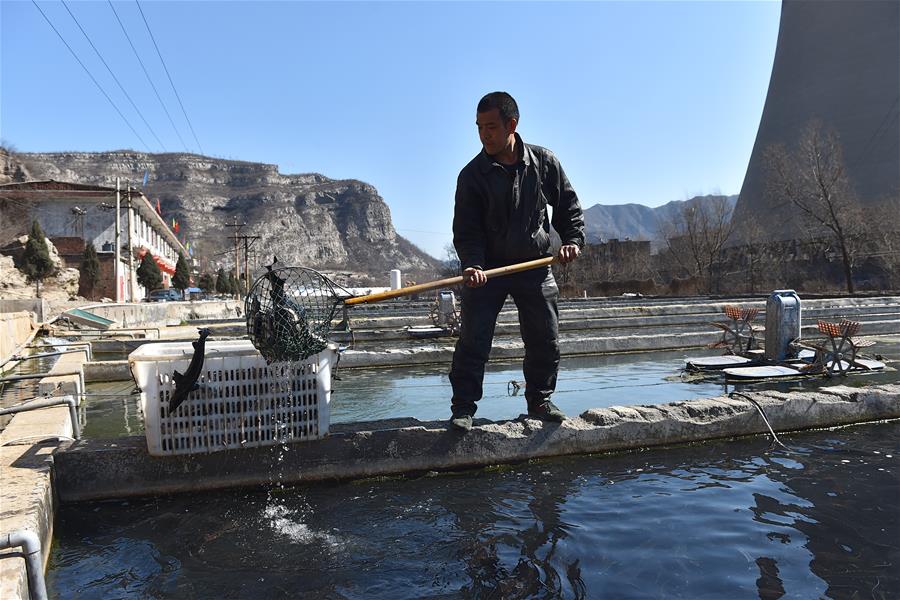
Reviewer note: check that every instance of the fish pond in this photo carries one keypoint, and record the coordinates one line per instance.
(725, 520)
(732, 519)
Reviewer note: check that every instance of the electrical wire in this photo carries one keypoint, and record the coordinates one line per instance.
(99, 87)
(149, 80)
(762, 414)
(113, 75)
(169, 76)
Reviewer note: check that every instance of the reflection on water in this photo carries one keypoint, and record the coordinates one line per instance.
(112, 409)
(727, 520)
(584, 382)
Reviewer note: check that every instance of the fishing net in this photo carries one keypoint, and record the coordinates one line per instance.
(290, 309)
(290, 312)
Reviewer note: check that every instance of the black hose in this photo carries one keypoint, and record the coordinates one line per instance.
(763, 414)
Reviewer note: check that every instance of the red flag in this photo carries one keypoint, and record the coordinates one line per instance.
(176, 227)
(158, 208)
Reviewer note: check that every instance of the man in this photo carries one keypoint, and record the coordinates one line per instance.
(500, 218)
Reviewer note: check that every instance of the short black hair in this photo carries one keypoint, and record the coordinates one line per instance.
(502, 101)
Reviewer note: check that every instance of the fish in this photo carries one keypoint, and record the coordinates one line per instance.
(187, 383)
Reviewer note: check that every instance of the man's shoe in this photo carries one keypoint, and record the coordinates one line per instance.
(546, 411)
(462, 422)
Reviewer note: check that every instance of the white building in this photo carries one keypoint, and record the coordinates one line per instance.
(72, 214)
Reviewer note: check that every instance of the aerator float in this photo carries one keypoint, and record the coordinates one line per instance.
(784, 355)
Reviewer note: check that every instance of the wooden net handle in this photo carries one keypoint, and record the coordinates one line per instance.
(450, 281)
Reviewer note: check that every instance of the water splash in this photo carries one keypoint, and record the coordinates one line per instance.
(290, 524)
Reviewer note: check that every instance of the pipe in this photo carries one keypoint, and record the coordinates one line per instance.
(107, 332)
(20, 347)
(79, 389)
(54, 353)
(85, 346)
(47, 403)
(34, 563)
(79, 372)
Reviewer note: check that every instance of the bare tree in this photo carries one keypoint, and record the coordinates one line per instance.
(696, 236)
(450, 266)
(812, 178)
(755, 251)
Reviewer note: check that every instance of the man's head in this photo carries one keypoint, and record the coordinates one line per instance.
(498, 116)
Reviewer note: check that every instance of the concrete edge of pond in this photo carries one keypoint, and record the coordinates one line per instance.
(27, 501)
(119, 468)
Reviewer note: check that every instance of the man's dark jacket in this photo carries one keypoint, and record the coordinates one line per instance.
(497, 223)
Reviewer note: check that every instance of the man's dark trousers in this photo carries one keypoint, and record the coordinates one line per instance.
(535, 294)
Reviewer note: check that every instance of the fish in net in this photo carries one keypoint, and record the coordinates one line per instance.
(290, 310)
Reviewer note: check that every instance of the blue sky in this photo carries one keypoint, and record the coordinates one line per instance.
(643, 102)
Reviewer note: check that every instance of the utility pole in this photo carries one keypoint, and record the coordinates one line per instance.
(117, 267)
(79, 216)
(130, 247)
(248, 241)
(237, 248)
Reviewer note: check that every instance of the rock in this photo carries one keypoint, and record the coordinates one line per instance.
(13, 283)
(306, 219)
(67, 281)
(54, 254)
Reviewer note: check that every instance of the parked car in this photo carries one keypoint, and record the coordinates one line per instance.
(166, 295)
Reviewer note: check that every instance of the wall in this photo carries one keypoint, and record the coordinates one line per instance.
(158, 314)
(38, 306)
(14, 330)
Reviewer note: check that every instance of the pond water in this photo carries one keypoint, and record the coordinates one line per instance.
(740, 519)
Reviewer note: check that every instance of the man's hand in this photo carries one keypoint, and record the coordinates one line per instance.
(568, 253)
(474, 278)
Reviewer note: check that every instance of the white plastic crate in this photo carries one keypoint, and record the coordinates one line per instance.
(242, 402)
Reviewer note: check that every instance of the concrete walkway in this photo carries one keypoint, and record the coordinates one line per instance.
(101, 469)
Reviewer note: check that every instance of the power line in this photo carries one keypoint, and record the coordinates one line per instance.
(99, 87)
(116, 79)
(149, 80)
(172, 83)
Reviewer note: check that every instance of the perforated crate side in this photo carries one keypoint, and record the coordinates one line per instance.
(241, 403)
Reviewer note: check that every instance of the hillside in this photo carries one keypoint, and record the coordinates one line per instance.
(636, 221)
(306, 219)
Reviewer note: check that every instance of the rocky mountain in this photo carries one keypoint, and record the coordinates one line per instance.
(304, 219)
(636, 221)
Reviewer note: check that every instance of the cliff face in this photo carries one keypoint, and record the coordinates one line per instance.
(305, 219)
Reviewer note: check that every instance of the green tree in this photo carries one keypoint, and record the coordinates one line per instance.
(222, 282)
(89, 271)
(148, 273)
(182, 278)
(36, 262)
(207, 282)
